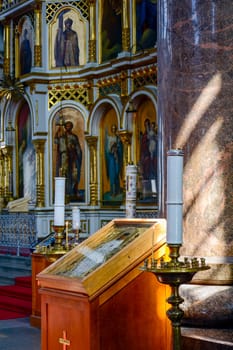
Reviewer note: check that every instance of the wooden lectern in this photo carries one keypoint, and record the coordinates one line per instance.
(96, 297)
(39, 262)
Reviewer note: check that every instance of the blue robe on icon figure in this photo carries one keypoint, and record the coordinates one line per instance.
(114, 160)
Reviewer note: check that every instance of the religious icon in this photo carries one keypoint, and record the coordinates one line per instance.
(66, 49)
(112, 164)
(26, 156)
(146, 23)
(114, 160)
(69, 154)
(68, 38)
(111, 29)
(148, 160)
(26, 47)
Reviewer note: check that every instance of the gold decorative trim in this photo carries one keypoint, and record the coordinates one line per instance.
(38, 25)
(92, 50)
(53, 7)
(144, 76)
(73, 92)
(40, 184)
(17, 72)
(37, 55)
(92, 143)
(126, 39)
(6, 64)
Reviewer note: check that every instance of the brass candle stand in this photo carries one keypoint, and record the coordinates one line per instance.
(76, 233)
(59, 244)
(59, 236)
(174, 273)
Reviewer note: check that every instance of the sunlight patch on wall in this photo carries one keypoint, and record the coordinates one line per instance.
(206, 98)
(204, 191)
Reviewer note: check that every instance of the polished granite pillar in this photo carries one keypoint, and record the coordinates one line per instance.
(195, 102)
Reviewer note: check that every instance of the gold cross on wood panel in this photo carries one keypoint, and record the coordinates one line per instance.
(64, 341)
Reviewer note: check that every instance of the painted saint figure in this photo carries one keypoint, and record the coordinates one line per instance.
(25, 54)
(69, 157)
(146, 14)
(148, 156)
(66, 49)
(114, 160)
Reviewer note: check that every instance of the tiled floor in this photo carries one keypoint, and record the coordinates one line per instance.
(207, 339)
(19, 335)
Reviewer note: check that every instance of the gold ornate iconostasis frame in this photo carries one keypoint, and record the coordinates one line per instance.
(144, 151)
(115, 21)
(89, 91)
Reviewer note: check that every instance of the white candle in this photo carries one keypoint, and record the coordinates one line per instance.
(175, 196)
(59, 190)
(59, 215)
(131, 182)
(75, 218)
(131, 191)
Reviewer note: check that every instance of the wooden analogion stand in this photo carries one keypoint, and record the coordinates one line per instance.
(96, 297)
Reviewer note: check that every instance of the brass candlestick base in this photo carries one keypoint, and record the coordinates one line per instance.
(59, 235)
(174, 273)
(76, 232)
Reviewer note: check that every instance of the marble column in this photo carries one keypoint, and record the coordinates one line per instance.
(195, 50)
(7, 58)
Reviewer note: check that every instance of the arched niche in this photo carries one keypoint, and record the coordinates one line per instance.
(104, 123)
(25, 155)
(140, 117)
(68, 153)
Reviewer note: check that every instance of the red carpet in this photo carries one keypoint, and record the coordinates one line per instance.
(16, 300)
(13, 251)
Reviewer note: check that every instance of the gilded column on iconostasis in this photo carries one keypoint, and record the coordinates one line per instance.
(5, 174)
(125, 29)
(1, 173)
(6, 64)
(92, 39)
(37, 47)
(9, 173)
(17, 59)
(92, 143)
(40, 186)
(125, 137)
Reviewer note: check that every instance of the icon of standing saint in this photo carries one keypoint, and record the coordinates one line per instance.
(66, 48)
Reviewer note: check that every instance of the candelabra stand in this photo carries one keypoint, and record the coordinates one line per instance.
(174, 273)
(76, 233)
(59, 235)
